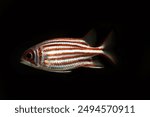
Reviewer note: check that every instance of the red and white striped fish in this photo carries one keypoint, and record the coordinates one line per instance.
(64, 54)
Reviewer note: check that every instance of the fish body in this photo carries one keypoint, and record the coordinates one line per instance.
(64, 54)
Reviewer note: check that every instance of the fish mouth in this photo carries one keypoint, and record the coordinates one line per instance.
(25, 62)
(22, 61)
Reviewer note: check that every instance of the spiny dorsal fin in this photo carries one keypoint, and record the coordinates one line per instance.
(90, 37)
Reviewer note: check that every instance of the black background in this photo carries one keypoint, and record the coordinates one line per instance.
(26, 23)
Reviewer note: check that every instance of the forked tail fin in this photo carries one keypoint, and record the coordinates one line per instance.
(106, 48)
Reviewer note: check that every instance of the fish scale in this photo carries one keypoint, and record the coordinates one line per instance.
(70, 66)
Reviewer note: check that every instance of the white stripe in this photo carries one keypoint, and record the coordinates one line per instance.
(66, 55)
(65, 39)
(69, 43)
(68, 60)
(72, 51)
(57, 47)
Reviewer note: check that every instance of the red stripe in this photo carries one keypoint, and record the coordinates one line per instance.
(65, 40)
(79, 48)
(40, 55)
(49, 49)
(71, 53)
(51, 44)
(69, 57)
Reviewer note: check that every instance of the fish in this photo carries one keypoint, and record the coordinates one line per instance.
(62, 55)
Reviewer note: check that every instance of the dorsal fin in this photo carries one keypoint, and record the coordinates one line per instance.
(90, 37)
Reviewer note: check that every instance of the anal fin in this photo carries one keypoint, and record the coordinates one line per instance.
(95, 63)
(92, 65)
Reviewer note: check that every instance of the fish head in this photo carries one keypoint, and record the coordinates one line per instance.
(29, 58)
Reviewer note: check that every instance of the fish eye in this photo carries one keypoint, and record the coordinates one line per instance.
(29, 55)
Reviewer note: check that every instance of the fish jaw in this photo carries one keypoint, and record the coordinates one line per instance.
(28, 64)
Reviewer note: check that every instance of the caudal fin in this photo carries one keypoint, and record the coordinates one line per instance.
(107, 48)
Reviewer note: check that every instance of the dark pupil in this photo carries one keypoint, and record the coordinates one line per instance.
(29, 55)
